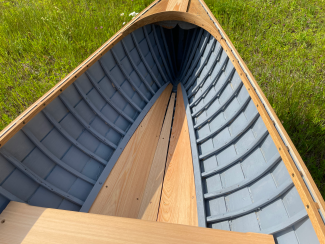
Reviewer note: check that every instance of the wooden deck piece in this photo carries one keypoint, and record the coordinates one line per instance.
(177, 5)
(29, 224)
(178, 200)
(150, 202)
(122, 192)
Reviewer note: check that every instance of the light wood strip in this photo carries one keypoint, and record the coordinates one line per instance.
(177, 5)
(178, 199)
(150, 202)
(122, 192)
(35, 225)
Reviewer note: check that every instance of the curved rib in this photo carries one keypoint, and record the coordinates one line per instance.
(235, 159)
(144, 61)
(86, 125)
(118, 88)
(196, 88)
(287, 223)
(187, 43)
(213, 82)
(9, 195)
(126, 75)
(38, 179)
(66, 135)
(215, 96)
(196, 60)
(51, 156)
(153, 54)
(202, 65)
(194, 48)
(136, 68)
(226, 123)
(161, 52)
(97, 111)
(167, 51)
(188, 51)
(246, 181)
(232, 138)
(256, 205)
(173, 48)
(108, 100)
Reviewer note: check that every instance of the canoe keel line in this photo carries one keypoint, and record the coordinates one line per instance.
(164, 123)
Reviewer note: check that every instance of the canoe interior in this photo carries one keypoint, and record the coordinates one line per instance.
(59, 158)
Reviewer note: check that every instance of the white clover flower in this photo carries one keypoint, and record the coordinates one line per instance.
(133, 14)
(123, 23)
(122, 14)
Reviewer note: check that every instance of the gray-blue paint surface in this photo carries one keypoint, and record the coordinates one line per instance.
(64, 154)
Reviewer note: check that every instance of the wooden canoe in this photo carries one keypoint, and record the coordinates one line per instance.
(164, 122)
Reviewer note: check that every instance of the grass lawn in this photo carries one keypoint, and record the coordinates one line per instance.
(282, 42)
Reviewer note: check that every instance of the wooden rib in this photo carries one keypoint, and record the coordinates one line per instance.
(128, 78)
(151, 198)
(56, 160)
(177, 5)
(161, 52)
(122, 192)
(154, 56)
(167, 50)
(20, 166)
(73, 141)
(144, 61)
(9, 195)
(29, 224)
(178, 199)
(136, 69)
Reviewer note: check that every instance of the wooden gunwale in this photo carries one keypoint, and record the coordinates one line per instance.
(280, 137)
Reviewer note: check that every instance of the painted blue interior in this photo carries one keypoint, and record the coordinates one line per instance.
(59, 159)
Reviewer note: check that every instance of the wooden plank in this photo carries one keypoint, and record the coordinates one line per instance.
(178, 199)
(177, 5)
(151, 199)
(29, 224)
(122, 192)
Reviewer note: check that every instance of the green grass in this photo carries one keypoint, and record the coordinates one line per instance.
(282, 42)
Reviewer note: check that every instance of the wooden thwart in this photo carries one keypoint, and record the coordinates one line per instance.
(21, 223)
(178, 200)
(122, 192)
(152, 193)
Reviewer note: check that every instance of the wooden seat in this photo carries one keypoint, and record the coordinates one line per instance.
(21, 223)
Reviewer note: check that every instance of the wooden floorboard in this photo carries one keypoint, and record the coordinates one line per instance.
(21, 223)
(150, 202)
(178, 200)
(122, 192)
